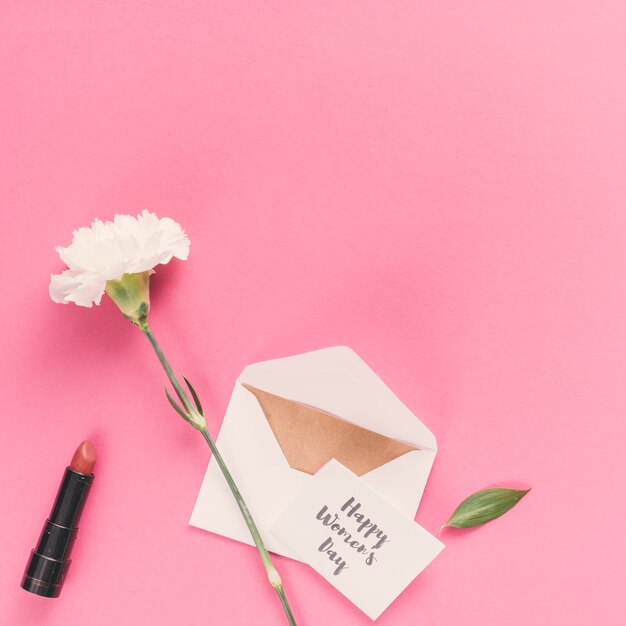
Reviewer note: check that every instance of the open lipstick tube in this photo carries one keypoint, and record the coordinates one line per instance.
(50, 560)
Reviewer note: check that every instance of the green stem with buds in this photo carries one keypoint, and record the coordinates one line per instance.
(194, 415)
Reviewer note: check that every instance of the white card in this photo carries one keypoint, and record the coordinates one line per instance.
(355, 539)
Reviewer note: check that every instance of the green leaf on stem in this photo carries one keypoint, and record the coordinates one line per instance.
(195, 396)
(484, 506)
(176, 407)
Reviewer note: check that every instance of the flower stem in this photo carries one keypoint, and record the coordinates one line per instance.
(198, 421)
(272, 574)
(180, 392)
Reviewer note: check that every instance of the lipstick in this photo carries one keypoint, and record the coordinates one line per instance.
(50, 560)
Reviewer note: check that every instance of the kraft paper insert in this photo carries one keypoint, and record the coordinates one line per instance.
(309, 437)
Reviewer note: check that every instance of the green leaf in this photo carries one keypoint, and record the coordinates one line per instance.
(176, 407)
(195, 396)
(484, 506)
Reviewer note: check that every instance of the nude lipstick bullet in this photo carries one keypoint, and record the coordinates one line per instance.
(49, 561)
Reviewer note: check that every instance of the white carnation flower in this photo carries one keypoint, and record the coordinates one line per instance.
(108, 250)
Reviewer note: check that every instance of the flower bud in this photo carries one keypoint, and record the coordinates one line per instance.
(131, 293)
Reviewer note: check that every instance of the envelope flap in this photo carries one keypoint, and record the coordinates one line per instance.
(338, 381)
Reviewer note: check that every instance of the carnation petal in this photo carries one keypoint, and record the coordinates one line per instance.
(62, 284)
(107, 250)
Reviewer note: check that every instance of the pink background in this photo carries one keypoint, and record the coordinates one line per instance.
(439, 185)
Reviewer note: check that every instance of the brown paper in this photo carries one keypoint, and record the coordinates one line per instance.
(309, 437)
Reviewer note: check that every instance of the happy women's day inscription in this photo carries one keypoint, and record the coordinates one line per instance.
(361, 544)
(363, 536)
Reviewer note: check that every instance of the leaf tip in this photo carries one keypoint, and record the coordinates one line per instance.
(194, 395)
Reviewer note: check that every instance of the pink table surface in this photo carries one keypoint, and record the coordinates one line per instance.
(439, 186)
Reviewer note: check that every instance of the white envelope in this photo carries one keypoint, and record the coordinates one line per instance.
(334, 380)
